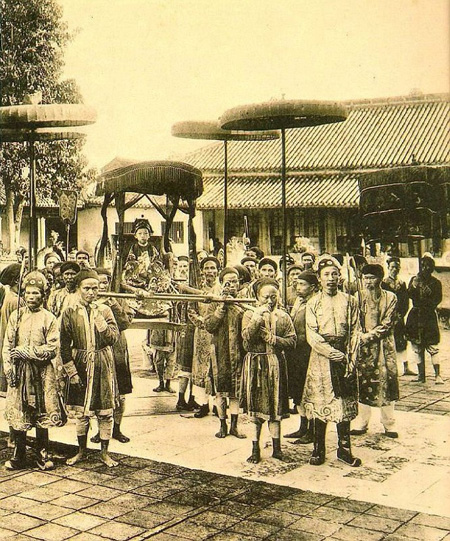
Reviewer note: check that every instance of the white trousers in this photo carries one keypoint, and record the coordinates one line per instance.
(221, 403)
(200, 395)
(432, 350)
(364, 412)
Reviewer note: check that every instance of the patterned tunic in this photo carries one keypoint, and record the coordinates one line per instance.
(35, 400)
(201, 363)
(331, 388)
(87, 351)
(264, 391)
(377, 363)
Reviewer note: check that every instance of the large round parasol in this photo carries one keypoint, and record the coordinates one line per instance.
(282, 115)
(213, 131)
(36, 122)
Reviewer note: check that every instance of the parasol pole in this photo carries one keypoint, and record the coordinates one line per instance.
(225, 202)
(32, 251)
(212, 130)
(283, 207)
(282, 115)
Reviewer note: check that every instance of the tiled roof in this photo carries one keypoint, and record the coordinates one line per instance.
(262, 191)
(377, 133)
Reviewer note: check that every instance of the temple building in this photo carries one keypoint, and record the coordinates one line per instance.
(323, 164)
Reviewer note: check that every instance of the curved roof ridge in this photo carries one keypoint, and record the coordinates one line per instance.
(413, 97)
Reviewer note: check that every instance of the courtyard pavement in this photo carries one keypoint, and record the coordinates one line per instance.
(177, 481)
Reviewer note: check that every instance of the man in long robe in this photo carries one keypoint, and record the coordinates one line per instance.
(224, 322)
(397, 286)
(88, 332)
(331, 388)
(422, 328)
(298, 358)
(31, 342)
(268, 333)
(123, 315)
(201, 363)
(377, 362)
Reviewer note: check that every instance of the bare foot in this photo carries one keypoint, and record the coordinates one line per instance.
(71, 461)
(234, 432)
(106, 459)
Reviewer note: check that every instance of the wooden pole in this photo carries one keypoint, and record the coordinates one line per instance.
(225, 202)
(283, 206)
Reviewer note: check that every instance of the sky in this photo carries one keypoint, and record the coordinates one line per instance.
(146, 64)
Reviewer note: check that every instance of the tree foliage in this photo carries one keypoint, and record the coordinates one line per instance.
(34, 37)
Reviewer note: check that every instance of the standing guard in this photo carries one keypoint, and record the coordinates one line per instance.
(393, 284)
(88, 330)
(267, 332)
(201, 363)
(331, 387)
(224, 322)
(298, 358)
(422, 328)
(377, 363)
(123, 315)
(32, 400)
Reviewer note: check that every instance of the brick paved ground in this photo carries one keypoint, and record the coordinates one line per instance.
(146, 499)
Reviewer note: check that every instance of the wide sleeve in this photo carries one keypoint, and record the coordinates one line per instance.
(285, 337)
(251, 329)
(194, 317)
(214, 317)
(437, 293)
(413, 291)
(387, 320)
(48, 350)
(108, 330)
(66, 341)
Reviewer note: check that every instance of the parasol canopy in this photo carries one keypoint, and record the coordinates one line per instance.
(191, 129)
(35, 122)
(282, 115)
(20, 135)
(404, 202)
(155, 177)
(54, 115)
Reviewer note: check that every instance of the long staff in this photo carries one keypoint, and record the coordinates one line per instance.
(14, 379)
(349, 319)
(176, 297)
